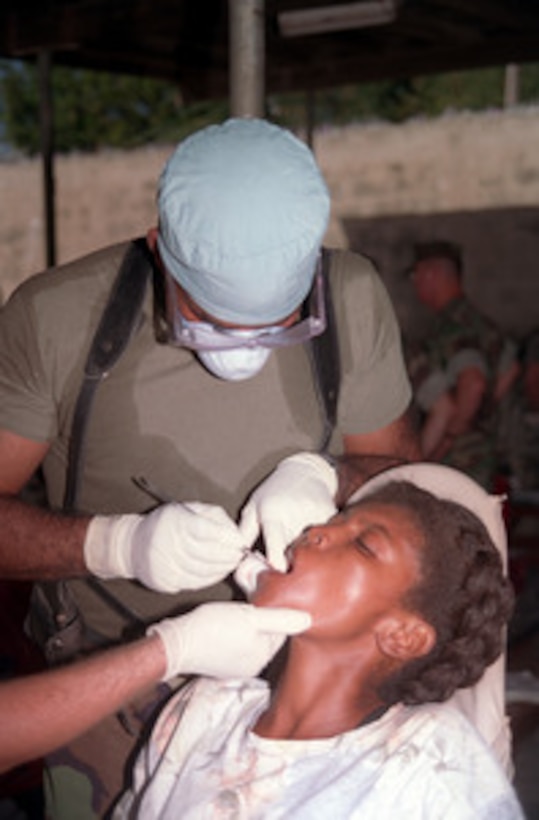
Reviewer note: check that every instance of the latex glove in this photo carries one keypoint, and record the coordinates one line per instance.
(300, 492)
(224, 640)
(175, 547)
(248, 570)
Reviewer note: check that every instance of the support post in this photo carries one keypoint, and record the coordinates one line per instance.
(310, 117)
(46, 125)
(247, 58)
(511, 85)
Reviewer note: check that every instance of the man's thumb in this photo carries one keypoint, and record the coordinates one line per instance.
(282, 621)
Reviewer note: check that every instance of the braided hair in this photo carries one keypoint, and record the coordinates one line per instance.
(462, 593)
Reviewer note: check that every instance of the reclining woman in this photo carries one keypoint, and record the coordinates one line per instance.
(408, 603)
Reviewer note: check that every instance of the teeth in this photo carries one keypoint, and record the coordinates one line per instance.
(247, 572)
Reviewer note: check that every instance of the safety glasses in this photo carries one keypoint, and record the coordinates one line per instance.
(203, 335)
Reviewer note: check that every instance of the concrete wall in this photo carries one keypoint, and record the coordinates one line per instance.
(473, 178)
(501, 260)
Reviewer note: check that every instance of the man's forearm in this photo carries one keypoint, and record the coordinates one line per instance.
(354, 470)
(468, 397)
(436, 425)
(41, 712)
(36, 544)
(368, 454)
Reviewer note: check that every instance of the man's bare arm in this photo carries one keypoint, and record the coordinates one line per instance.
(34, 542)
(41, 712)
(371, 453)
(38, 544)
(218, 639)
(436, 425)
(467, 396)
(174, 547)
(399, 439)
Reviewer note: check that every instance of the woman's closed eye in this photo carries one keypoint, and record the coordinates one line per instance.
(364, 547)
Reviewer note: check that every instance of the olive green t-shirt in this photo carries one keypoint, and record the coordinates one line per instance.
(160, 415)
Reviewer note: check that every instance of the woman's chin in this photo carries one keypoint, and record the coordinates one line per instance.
(274, 588)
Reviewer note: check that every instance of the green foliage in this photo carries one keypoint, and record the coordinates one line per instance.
(95, 109)
(399, 99)
(19, 106)
(529, 83)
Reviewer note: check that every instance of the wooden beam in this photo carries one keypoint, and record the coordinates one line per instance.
(493, 13)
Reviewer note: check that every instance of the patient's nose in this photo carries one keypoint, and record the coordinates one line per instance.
(317, 537)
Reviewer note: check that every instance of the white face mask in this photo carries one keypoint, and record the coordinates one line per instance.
(234, 365)
(237, 363)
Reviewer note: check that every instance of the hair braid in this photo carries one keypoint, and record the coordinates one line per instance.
(462, 593)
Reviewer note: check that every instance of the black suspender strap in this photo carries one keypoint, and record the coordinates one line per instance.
(114, 332)
(57, 624)
(325, 360)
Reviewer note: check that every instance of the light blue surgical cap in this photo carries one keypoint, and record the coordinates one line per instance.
(243, 209)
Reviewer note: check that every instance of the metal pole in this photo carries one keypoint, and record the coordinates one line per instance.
(310, 117)
(511, 85)
(44, 62)
(246, 60)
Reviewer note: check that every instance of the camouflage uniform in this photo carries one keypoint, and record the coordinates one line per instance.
(462, 337)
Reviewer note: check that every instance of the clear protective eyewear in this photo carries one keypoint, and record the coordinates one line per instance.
(204, 335)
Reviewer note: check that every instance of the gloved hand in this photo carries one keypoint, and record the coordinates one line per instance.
(300, 492)
(175, 547)
(224, 640)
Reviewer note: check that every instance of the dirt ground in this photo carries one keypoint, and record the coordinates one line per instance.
(457, 162)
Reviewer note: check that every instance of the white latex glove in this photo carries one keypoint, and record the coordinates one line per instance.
(175, 547)
(224, 640)
(300, 492)
(248, 570)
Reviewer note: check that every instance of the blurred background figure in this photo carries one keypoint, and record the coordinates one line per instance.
(462, 371)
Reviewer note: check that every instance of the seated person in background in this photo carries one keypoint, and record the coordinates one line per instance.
(408, 600)
(468, 365)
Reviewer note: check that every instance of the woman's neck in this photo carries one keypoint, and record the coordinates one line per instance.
(321, 693)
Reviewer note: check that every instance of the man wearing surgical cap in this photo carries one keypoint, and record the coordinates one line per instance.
(201, 437)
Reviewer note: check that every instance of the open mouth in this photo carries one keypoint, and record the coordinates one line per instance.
(256, 564)
(290, 555)
(248, 571)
